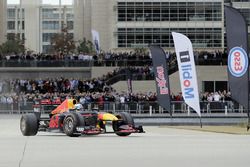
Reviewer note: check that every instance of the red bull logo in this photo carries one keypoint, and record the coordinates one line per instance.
(237, 61)
(161, 81)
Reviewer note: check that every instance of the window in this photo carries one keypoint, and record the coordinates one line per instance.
(46, 48)
(11, 36)
(11, 13)
(70, 25)
(200, 37)
(11, 25)
(208, 86)
(47, 37)
(169, 11)
(13, 2)
(221, 86)
(215, 86)
(20, 25)
(50, 13)
(50, 25)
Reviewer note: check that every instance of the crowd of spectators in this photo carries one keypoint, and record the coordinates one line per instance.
(135, 73)
(73, 85)
(216, 96)
(47, 57)
(93, 93)
(58, 85)
(117, 59)
(98, 90)
(89, 91)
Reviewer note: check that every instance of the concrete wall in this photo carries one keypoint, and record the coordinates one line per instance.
(36, 73)
(32, 26)
(103, 21)
(87, 19)
(3, 25)
(100, 71)
(204, 73)
(79, 19)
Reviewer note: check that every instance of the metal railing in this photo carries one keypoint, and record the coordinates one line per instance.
(73, 63)
(45, 63)
(136, 108)
(90, 63)
(135, 76)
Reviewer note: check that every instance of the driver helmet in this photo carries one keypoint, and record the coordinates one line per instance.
(78, 106)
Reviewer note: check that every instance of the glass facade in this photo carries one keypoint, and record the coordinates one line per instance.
(46, 48)
(70, 25)
(11, 25)
(54, 18)
(214, 86)
(244, 7)
(50, 25)
(136, 22)
(50, 13)
(13, 2)
(12, 36)
(14, 12)
(11, 13)
(142, 37)
(169, 11)
(57, 2)
(15, 22)
(47, 37)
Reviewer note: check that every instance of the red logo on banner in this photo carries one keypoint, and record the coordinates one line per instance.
(161, 81)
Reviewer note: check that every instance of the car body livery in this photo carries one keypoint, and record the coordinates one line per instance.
(76, 122)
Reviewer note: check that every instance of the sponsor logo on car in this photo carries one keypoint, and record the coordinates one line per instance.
(79, 129)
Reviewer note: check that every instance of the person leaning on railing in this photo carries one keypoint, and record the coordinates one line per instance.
(115, 59)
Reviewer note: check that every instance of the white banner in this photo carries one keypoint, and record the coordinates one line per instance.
(187, 71)
(96, 41)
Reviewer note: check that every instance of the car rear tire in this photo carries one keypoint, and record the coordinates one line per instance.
(70, 123)
(29, 124)
(126, 119)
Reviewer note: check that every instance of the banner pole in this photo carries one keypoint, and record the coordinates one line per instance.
(200, 122)
(171, 111)
(248, 124)
(248, 114)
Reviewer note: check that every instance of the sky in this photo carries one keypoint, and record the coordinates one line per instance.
(52, 2)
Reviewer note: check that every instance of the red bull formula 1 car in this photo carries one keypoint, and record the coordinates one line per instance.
(75, 122)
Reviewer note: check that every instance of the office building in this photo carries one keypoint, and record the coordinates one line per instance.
(122, 24)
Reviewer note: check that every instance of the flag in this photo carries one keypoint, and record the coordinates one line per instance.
(187, 71)
(237, 46)
(96, 41)
(160, 69)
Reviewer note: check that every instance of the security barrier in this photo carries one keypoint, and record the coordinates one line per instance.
(136, 108)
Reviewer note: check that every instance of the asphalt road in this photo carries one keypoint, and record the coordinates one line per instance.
(158, 147)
